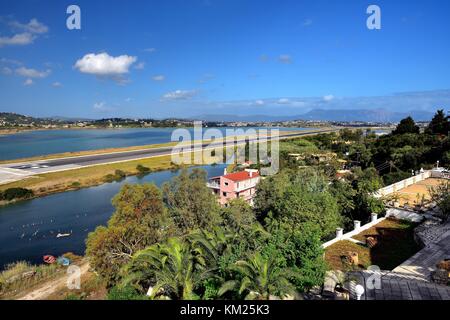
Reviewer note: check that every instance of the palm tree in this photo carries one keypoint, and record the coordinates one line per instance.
(260, 278)
(175, 269)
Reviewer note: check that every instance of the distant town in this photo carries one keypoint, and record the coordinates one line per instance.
(16, 122)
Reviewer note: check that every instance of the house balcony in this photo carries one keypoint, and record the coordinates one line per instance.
(213, 185)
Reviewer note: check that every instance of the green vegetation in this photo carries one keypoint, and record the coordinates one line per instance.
(441, 195)
(395, 244)
(407, 125)
(21, 276)
(180, 243)
(15, 194)
(117, 176)
(143, 170)
(177, 243)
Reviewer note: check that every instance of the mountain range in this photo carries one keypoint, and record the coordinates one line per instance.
(365, 115)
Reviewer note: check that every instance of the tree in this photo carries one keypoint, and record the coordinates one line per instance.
(260, 278)
(238, 215)
(139, 221)
(439, 124)
(176, 269)
(298, 196)
(191, 204)
(360, 154)
(441, 195)
(406, 125)
(16, 193)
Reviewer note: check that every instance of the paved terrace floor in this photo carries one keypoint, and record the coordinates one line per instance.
(412, 279)
(398, 286)
(413, 194)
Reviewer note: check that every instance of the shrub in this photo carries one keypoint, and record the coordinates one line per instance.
(75, 184)
(124, 293)
(142, 170)
(16, 193)
(118, 175)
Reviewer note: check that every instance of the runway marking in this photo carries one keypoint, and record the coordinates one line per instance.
(16, 172)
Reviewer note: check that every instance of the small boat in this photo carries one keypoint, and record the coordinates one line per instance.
(63, 235)
(63, 261)
(49, 259)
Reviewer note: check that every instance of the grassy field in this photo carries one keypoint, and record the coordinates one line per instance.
(395, 245)
(47, 183)
(21, 277)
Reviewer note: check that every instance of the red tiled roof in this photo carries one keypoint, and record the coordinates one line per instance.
(241, 176)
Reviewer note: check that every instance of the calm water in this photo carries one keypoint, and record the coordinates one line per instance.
(35, 143)
(28, 229)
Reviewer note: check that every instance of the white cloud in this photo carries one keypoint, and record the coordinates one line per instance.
(259, 102)
(285, 58)
(34, 26)
(20, 39)
(328, 98)
(140, 66)
(101, 107)
(104, 65)
(25, 33)
(57, 84)
(206, 77)
(7, 71)
(28, 82)
(283, 101)
(32, 73)
(151, 50)
(179, 95)
(11, 61)
(159, 77)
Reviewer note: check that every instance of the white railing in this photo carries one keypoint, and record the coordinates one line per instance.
(402, 184)
(435, 173)
(213, 185)
(357, 230)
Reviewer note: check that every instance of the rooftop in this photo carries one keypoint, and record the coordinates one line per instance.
(241, 176)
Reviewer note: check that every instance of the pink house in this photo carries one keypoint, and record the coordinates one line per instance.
(235, 185)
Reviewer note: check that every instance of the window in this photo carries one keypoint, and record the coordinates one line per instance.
(224, 194)
(226, 183)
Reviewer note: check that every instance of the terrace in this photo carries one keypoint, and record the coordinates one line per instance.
(409, 248)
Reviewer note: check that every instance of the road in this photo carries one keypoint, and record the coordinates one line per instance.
(17, 171)
(47, 288)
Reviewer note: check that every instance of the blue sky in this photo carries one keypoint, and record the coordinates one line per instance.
(194, 57)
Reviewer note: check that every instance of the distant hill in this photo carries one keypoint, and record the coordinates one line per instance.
(366, 115)
(247, 118)
(373, 115)
(69, 119)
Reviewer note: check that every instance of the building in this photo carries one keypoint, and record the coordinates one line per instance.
(235, 185)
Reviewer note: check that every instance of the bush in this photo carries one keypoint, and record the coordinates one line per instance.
(142, 170)
(75, 184)
(16, 193)
(21, 276)
(118, 175)
(125, 293)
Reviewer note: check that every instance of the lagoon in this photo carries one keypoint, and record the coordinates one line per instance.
(45, 142)
(28, 229)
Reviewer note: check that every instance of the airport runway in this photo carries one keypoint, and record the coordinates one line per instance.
(17, 171)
